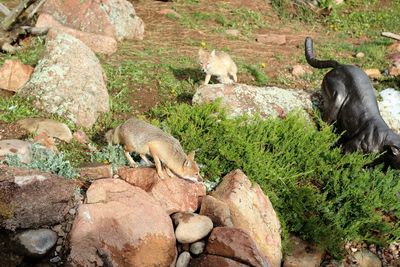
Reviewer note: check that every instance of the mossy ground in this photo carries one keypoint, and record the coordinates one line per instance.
(319, 193)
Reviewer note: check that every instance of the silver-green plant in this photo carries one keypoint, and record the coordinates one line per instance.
(45, 160)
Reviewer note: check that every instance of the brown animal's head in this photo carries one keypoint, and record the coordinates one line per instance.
(112, 137)
(190, 170)
(204, 59)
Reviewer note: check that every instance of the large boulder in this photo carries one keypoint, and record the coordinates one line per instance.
(235, 244)
(252, 211)
(242, 99)
(69, 81)
(389, 106)
(173, 194)
(32, 199)
(113, 18)
(121, 225)
(98, 43)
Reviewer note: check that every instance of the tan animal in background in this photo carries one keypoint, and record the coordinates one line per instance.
(218, 63)
(145, 139)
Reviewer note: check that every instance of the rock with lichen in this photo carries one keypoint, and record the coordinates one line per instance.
(69, 81)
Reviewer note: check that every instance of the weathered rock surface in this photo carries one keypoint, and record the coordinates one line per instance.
(173, 194)
(14, 74)
(191, 227)
(16, 147)
(69, 81)
(37, 242)
(245, 99)
(366, 258)
(114, 18)
(96, 171)
(51, 127)
(389, 107)
(121, 225)
(252, 212)
(235, 244)
(216, 210)
(302, 254)
(32, 199)
(98, 43)
(213, 260)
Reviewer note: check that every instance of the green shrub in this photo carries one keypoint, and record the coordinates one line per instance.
(319, 193)
(113, 154)
(45, 160)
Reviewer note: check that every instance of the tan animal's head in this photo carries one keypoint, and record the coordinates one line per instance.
(190, 170)
(205, 59)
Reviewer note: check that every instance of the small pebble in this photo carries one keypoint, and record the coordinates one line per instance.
(55, 259)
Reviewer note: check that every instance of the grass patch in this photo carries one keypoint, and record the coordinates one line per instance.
(29, 55)
(320, 194)
(15, 108)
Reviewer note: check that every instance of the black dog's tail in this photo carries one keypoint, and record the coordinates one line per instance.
(319, 64)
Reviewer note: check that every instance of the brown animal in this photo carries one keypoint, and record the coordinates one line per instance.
(145, 139)
(218, 64)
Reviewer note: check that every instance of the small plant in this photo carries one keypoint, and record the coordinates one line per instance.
(45, 160)
(260, 77)
(113, 154)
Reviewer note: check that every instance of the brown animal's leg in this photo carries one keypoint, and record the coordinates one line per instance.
(169, 172)
(132, 163)
(157, 162)
(146, 160)
(234, 77)
(208, 77)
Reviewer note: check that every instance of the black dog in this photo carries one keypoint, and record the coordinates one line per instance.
(350, 101)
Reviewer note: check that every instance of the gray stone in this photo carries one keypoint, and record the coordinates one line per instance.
(198, 247)
(50, 127)
(37, 242)
(242, 99)
(15, 147)
(365, 258)
(69, 81)
(183, 259)
(191, 227)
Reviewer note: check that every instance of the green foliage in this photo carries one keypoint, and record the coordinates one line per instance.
(366, 18)
(320, 193)
(260, 77)
(113, 154)
(29, 55)
(15, 108)
(45, 160)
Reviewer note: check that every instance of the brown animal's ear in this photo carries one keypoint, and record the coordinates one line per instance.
(191, 155)
(213, 53)
(201, 51)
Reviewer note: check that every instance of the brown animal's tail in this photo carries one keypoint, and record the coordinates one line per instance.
(319, 64)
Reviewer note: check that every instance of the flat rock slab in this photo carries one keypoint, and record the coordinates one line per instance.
(241, 99)
(51, 127)
(14, 74)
